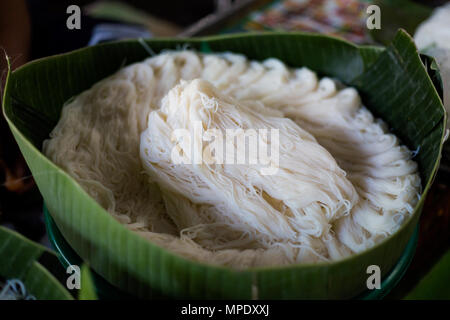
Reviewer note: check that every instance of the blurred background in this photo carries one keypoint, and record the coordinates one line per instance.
(30, 29)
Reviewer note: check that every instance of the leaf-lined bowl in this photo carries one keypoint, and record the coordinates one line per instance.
(393, 83)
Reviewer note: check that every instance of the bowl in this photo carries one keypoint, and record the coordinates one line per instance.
(106, 291)
(393, 82)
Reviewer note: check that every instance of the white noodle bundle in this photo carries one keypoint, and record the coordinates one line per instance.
(218, 204)
(359, 183)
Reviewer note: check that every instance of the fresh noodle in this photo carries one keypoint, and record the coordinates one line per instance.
(342, 183)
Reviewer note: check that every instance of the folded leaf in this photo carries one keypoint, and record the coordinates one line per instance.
(394, 85)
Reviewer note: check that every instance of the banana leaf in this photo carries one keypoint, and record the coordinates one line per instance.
(87, 290)
(34, 265)
(435, 284)
(19, 259)
(392, 81)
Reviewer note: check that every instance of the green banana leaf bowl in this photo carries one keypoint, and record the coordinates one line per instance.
(395, 83)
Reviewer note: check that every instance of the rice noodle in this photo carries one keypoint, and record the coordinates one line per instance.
(343, 182)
